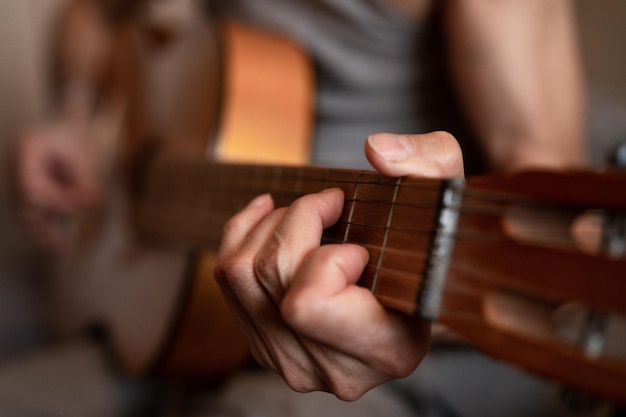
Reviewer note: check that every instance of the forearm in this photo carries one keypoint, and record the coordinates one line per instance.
(517, 70)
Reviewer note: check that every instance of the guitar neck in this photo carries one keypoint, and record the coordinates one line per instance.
(439, 249)
(408, 225)
(397, 220)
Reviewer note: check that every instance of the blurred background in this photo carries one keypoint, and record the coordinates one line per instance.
(602, 30)
(25, 27)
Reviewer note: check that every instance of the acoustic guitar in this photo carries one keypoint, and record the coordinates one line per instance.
(515, 264)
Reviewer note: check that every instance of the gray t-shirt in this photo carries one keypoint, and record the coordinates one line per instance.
(377, 70)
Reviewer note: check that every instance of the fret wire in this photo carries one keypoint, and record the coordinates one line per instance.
(350, 216)
(385, 236)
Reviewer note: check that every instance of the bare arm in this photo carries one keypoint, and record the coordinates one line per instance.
(516, 66)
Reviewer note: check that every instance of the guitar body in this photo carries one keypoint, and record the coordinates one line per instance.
(210, 89)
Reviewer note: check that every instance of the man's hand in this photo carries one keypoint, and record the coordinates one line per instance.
(56, 179)
(297, 302)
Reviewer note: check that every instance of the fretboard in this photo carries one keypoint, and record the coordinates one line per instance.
(187, 203)
(400, 223)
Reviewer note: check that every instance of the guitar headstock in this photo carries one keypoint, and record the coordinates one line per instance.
(531, 281)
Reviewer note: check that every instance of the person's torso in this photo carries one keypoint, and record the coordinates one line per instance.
(379, 67)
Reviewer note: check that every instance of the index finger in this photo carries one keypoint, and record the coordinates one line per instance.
(299, 232)
(240, 225)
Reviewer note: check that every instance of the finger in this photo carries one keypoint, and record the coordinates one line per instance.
(272, 343)
(325, 305)
(34, 180)
(234, 269)
(435, 154)
(235, 276)
(299, 232)
(328, 273)
(54, 177)
(256, 343)
(240, 225)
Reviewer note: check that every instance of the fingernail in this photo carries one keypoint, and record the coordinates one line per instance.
(393, 148)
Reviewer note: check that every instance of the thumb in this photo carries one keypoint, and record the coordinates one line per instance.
(435, 154)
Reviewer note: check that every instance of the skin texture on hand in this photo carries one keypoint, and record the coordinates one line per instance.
(297, 302)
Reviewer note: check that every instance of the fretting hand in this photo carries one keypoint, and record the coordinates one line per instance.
(297, 302)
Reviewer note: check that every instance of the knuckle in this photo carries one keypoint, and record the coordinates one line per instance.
(349, 393)
(302, 382)
(345, 386)
(271, 267)
(266, 264)
(234, 268)
(297, 384)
